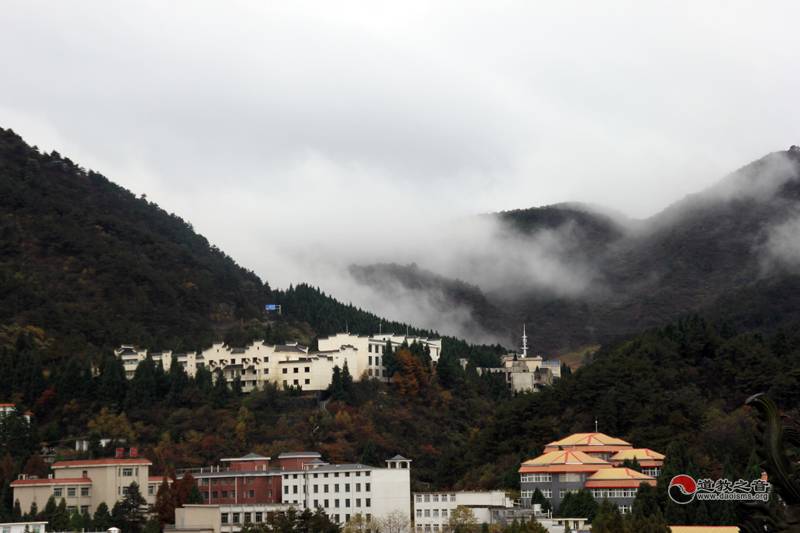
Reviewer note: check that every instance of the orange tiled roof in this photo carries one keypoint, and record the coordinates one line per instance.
(102, 462)
(52, 481)
(564, 461)
(643, 456)
(618, 478)
(704, 529)
(593, 440)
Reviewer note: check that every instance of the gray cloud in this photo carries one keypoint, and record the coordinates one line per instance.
(303, 137)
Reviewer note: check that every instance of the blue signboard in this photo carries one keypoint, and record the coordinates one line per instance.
(271, 307)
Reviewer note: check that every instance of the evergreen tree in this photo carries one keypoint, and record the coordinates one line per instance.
(539, 498)
(220, 393)
(389, 360)
(178, 382)
(16, 512)
(336, 388)
(34, 511)
(578, 504)
(130, 510)
(347, 383)
(608, 519)
(76, 521)
(50, 510)
(60, 520)
(102, 518)
(152, 526)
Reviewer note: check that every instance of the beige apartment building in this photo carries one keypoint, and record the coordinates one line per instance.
(84, 484)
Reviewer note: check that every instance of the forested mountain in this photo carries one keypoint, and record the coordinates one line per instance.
(85, 265)
(734, 242)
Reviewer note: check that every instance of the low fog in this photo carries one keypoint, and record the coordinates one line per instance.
(303, 138)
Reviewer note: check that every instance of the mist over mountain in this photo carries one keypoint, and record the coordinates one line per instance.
(577, 275)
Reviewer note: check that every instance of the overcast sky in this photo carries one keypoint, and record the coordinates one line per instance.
(296, 133)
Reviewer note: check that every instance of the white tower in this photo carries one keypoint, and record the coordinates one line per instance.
(524, 342)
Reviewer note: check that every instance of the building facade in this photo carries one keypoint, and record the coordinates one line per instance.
(618, 485)
(524, 373)
(285, 365)
(432, 510)
(588, 461)
(84, 484)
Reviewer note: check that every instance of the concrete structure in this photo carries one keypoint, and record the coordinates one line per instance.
(84, 484)
(196, 519)
(618, 485)
(249, 488)
(557, 473)
(524, 373)
(344, 490)
(432, 510)
(285, 365)
(592, 461)
(650, 461)
(23, 527)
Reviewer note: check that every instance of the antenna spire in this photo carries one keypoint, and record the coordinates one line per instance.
(524, 342)
(595, 426)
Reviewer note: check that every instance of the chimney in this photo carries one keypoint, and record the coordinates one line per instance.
(119, 453)
(133, 452)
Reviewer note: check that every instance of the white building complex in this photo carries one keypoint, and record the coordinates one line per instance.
(285, 365)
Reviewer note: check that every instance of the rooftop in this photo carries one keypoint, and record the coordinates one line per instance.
(640, 454)
(102, 462)
(618, 478)
(53, 481)
(248, 457)
(293, 455)
(589, 439)
(564, 461)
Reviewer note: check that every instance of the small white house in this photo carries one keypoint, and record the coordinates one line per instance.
(23, 527)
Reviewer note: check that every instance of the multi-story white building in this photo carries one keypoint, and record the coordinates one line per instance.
(286, 365)
(344, 490)
(432, 510)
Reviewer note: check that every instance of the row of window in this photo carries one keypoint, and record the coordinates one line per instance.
(296, 382)
(528, 494)
(125, 472)
(296, 370)
(427, 528)
(375, 348)
(336, 502)
(250, 494)
(613, 493)
(431, 513)
(434, 497)
(326, 488)
(325, 474)
(226, 481)
(536, 478)
(58, 492)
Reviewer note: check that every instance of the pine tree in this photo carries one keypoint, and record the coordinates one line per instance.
(347, 383)
(50, 510)
(34, 511)
(336, 388)
(16, 512)
(76, 521)
(60, 521)
(608, 519)
(102, 518)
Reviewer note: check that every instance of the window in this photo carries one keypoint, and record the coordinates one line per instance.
(452, 497)
(370, 361)
(347, 503)
(296, 370)
(419, 513)
(326, 503)
(358, 487)
(427, 498)
(215, 494)
(58, 491)
(294, 489)
(444, 513)
(259, 517)
(366, 488)
(435, 498)
(286, 489)
(84, 491)
(418, 498)
(347, 487)
(297, 382)
(316, 504)
(251, 494)
(427, 513)
(547, 493)
(570, 478)
(150, 490)
(308, 369)
(84, 509)
(358, 502)
(336, 503)
(285, 370)
(235, 518)
(368, 503)
(325, 488)
(308, 382)
(247, 518)
(316, 487)
(336, 487)
(224, 518)
(127, 472)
